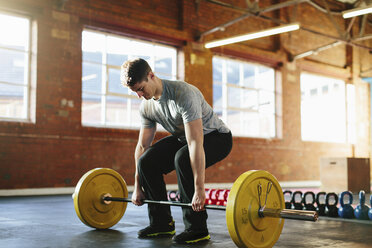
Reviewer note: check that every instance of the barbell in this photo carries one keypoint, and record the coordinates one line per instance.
(255, 209)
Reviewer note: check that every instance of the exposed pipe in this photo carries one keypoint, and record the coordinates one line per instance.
(367, 37)
(363, 25)
(316, 50)
(277, 21)
(330, 16)
(227, 5)
(248, 12)
(321, 9)
(348, 42)
(350, 25)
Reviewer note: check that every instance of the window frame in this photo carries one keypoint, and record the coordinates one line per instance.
(29, 96)
(105, 91)
(276, 92)
(347, 93)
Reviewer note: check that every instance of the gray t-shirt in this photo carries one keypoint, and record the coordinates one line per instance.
(180, 103)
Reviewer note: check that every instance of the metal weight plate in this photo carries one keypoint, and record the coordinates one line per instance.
(246, 228)
(88, 195)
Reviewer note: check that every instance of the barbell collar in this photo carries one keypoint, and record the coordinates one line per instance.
(288, 214)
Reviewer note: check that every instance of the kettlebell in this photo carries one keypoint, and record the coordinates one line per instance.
(226, 196)
(309, 205)
(172, 195)
(331, 209)
(370, 210)
(213, 197)
(346, 210)
(321, 206)
(221, 197)
(297, 204)
(361, 211)
(207, 195)
(288, 204)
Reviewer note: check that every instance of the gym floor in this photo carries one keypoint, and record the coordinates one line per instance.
(51, 221)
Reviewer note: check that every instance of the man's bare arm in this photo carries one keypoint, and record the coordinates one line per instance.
(195, 139)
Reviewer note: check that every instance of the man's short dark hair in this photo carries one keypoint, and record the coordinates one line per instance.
(134, 71)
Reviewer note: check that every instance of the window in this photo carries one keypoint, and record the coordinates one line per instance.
(244, 97)
(327, 109)
(105, 102)
(15, 56)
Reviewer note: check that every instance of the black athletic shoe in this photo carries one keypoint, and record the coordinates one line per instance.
(157, 231)
(190, 237)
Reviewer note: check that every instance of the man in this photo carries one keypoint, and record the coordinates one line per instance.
(198, 140)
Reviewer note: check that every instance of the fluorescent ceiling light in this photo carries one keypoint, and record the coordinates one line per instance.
(255, 35)
(357, 11)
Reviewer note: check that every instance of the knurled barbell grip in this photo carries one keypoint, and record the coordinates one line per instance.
(289, 214)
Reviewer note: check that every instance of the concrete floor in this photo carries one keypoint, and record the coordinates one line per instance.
(51, 221)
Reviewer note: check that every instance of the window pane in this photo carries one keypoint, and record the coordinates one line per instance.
(250, 109)
(164, 58)
(323, 115)
(251, 125)
(263, 69)
(92, 77)
(114, 82)
(135, 116)
(13, 66)
(351, 103)
(232, 72)
(248, 78)
(142, 49)
(218, 112)
(12, 101)
(117, 50)
(234, 121)
(92, 56)
(93, 45)
(267, 102)
(116, 110)
(267, 125)
(103, 54)
(242, 98)
(217, 70)
(163, 66)
(351, 117)
(14, 32)
(266, 78)
(217, 96)
(91, 109)
(243, 123)
(167, 77)
(116, 59)
(147, 58)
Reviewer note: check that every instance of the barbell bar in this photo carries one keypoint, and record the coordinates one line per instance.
(253, 218)
(262, 212)
(108, 199)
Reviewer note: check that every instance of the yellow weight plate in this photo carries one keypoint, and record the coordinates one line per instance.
(88, 194)
(246, 228)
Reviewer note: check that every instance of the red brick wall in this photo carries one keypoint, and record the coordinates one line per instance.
(56, 150)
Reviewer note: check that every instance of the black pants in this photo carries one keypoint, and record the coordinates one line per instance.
(169, 154)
